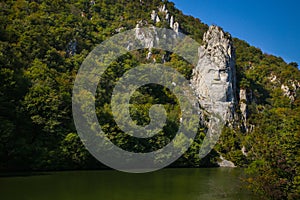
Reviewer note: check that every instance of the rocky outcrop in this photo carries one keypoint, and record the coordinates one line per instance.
(226, 163)
(244, 108)
(213, 79)
(162, 9)
(176, 27)
(163, 14)
(290, 90)
(244, 151)
(214, 76)
(172, 22)
(273, 78)
(154, 16)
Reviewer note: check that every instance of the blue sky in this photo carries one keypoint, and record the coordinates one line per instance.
(272, 26)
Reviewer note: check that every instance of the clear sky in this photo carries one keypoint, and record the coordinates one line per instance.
(271, 25)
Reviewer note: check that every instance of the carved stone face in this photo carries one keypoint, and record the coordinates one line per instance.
(218, 83)
(213, 81)
(214, 87)
(214, 77)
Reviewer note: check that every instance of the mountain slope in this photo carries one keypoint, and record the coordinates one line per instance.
(42, 45)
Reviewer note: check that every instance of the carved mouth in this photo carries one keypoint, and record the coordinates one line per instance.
(217, 83)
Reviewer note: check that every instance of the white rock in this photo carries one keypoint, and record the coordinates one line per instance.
(176, 27)
(226, 163)
(147, 38)
(291, 93)
(118, 30)
(214, 76)
(243, 107)
(153, 16)
(157, 19)
(244, 151)
(162, 8)
(172, 22)
(273, 78)
(167, 16)
(149, 55)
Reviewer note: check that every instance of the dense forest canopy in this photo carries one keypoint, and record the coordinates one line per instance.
(42, 45)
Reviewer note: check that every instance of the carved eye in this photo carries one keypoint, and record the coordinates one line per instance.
(211, 71)
(223, 71)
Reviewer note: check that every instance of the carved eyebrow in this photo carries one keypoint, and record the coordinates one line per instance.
(212, 70)
(224, 70)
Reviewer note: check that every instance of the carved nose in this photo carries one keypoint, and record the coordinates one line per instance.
(217, 76)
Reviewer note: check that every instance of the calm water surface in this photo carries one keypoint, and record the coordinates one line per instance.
(167, 184)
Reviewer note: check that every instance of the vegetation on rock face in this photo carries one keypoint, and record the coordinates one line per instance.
(272, 140)
(42, 45)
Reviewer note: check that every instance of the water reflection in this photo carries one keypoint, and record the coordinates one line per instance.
(175, 184)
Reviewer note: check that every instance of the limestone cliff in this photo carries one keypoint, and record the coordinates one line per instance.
(214, 78)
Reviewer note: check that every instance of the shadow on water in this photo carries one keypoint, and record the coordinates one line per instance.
(22, 174)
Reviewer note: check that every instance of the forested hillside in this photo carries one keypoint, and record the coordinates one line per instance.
(42, 45)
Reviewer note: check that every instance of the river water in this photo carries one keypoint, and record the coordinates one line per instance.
(167, 184)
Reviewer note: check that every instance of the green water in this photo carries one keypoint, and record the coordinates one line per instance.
(167, 184)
